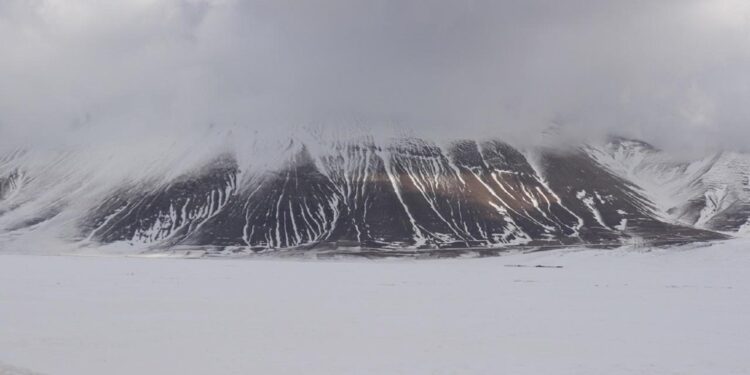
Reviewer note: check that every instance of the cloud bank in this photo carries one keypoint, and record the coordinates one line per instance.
(675, 72)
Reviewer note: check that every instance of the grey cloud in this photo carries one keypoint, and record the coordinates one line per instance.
(673, 72)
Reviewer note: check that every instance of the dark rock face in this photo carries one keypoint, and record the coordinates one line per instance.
(408, 194)
(610, 206)
(9, 182)
(168, 213)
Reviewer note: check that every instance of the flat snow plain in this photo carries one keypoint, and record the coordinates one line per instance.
(672, 311)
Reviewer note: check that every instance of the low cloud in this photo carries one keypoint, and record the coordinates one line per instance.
(671, 72)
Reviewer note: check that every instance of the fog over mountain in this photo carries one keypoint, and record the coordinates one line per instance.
(670, 72)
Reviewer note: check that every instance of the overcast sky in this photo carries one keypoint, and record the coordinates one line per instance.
(676, 73)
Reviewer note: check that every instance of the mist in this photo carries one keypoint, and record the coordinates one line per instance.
(674, 73)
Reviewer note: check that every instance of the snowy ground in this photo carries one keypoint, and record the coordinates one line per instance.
(678, 311)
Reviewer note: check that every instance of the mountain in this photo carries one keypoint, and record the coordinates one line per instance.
(390, 196)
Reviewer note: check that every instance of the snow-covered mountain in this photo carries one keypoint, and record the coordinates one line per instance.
(363, 193)
(711, 193)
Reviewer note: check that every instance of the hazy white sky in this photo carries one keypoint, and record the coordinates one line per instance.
(675, 72)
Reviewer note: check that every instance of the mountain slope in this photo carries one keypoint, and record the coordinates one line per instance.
(404, 193)
(711, 193)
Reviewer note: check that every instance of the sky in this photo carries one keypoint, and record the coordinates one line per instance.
(675, 72)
